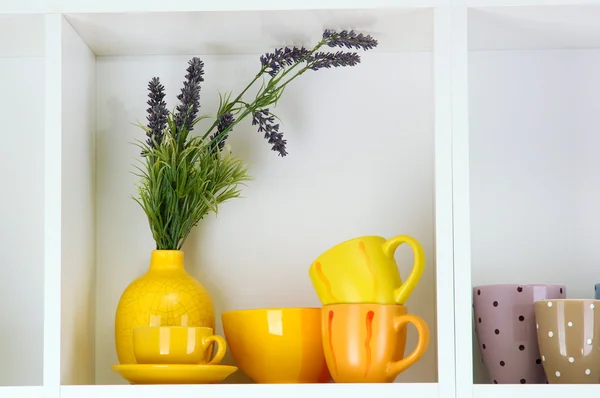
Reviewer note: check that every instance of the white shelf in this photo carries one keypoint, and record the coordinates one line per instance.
(427, 390)
(536, 391)
(105, 67)
(116, 6)
(21, 392)
(534, 28)
(255, 31)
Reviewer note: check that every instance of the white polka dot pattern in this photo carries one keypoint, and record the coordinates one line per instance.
(566, 332)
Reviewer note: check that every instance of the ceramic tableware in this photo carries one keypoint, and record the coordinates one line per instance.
(364, 343)
(505, 329)
(177, 345)
(363, 270)
(568, 335)
(277, 345)
(174, 374)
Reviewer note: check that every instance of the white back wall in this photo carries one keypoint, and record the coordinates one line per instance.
(360, 163)
(22, 215)
(534, 169)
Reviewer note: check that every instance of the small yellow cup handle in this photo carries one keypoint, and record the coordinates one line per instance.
(221, 348)
(395, 368)
(402, 293)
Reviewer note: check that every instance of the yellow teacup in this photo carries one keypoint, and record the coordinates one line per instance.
(363, 270)
(180, 345)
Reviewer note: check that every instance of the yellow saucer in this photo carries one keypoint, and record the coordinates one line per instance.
(174, 374)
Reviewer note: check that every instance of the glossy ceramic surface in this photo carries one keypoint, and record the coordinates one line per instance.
(363, 270)
(568, 335)
(364, 343)
(177, 345)
(166, 295)
(174, 374)
(505, 328)
(279, 345)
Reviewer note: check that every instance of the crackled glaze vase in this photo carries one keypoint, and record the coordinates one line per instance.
(166, 295)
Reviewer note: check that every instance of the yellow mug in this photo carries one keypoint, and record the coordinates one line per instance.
(363, 270)
(179, 345)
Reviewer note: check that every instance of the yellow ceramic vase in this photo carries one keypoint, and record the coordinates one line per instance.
(166, 295)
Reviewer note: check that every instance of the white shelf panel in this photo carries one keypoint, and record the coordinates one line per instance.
(391, 390)
(77, 6)
(536, 390)
(522, 28)
(525, 3)
(21, 392)
(21, 36)
(255, 32)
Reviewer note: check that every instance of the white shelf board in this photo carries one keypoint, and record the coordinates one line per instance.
(21, 392)
(246, 32)
(535, 390)
(21, 36)
(391, 390)
(524, 3)
(533, 28)
(78, 6)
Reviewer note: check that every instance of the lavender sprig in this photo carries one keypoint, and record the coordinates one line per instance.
(327, 60)
(157, 112)
(281, 57)
(225, 121)
(190, 95)
(349, 39)
(266, 123)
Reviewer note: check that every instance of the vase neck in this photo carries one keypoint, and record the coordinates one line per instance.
(166, 260)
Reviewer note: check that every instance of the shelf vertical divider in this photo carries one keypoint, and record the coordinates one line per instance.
(52, 204)
(443, 201)
(461, 203)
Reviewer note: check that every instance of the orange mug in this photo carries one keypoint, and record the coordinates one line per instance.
(364, 343)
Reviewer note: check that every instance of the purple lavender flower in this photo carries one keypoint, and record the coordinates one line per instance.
(273, 62)
(157, 112)
(266, 123)
(225, 121)
(190, 95)
(327, 60)
(349, 39)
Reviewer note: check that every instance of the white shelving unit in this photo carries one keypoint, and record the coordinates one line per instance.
(470, 128)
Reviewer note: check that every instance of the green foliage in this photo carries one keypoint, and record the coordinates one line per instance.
(182, 183)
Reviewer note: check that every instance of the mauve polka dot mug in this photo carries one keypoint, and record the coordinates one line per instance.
(506, 330)
(568, 332)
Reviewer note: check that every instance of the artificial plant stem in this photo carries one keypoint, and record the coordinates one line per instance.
(262, 70)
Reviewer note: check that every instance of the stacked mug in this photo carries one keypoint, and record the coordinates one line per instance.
(532, 334)
(364, 320)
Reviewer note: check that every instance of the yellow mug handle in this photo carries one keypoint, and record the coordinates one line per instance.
(221, 348)
(395, 368)
(402, 293)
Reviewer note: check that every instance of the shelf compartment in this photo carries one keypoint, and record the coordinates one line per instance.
(532, 120)
(22, 211)
(344, 150)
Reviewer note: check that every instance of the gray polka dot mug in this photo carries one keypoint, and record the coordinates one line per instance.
(568, 332)
(506, 333)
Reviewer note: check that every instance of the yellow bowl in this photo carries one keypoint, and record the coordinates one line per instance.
(277, 345)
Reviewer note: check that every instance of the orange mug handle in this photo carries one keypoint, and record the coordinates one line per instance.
(395, 368)
(221, 348)
(402, 293)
